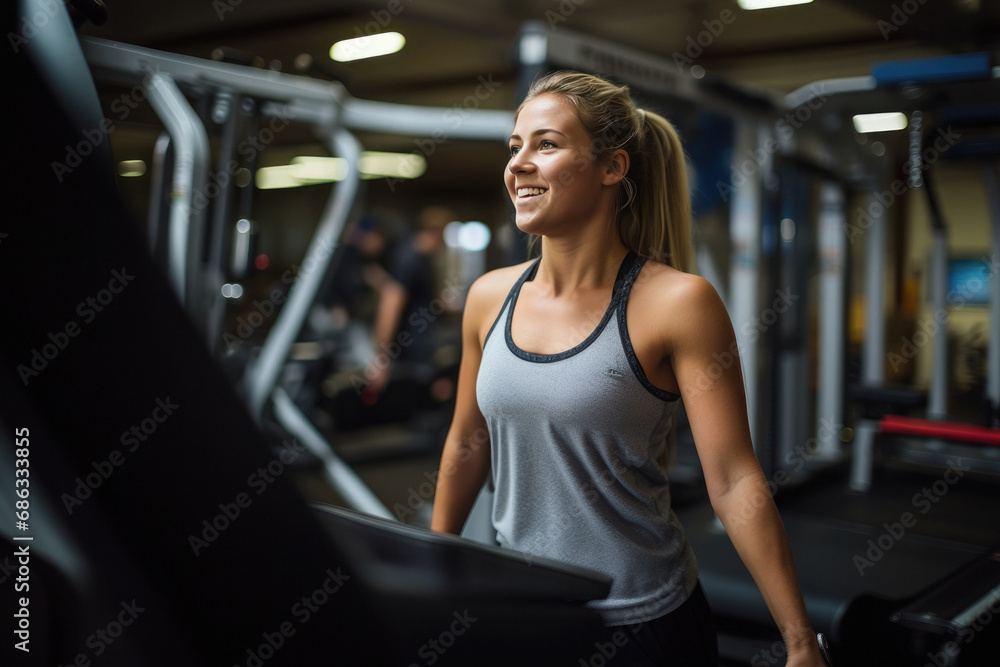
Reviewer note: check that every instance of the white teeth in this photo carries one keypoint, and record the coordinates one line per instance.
(524, 192)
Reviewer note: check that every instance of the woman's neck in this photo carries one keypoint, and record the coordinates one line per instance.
(578, 262)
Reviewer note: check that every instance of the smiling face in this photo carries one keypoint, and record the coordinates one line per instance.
(555, 182)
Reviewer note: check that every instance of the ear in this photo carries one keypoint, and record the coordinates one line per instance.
(616, 167)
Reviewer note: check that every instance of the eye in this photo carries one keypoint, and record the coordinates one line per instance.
(547, 143)
(514, 150)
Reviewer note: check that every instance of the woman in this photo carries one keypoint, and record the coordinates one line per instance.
(573, 366)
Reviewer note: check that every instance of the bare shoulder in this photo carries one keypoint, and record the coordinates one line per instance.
(688, 301)
(488, 292)
(496, 283)
(662, 282)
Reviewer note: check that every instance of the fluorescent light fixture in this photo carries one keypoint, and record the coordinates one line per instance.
(275, 178)
(131, 168)
(769, 4)
(302, 171)
(310, 170)
(367, 46)
(880, 122)
(375, 164)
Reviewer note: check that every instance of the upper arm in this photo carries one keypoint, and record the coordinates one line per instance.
(467, 417)
(482, 306)
(706, 363)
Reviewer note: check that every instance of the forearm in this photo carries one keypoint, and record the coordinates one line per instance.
(465, 463)
(753, 524)
(388, 315)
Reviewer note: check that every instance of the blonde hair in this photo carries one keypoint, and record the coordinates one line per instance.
(653, 212)
(654, 208)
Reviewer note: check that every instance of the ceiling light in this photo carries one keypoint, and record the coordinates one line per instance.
(880, 122)
(131, 168)
(375, 164)
(313, 169)
(281, 176)
(769, 4)
(367, 46)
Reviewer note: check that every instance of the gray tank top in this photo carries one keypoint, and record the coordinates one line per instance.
(575, 440)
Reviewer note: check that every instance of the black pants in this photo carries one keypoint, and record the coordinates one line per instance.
(683, 638)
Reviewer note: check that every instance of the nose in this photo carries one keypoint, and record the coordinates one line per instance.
(519, 163)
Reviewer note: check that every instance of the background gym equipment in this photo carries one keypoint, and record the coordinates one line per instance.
(964, 78)
(201, 563)
(877, 569)
(794, 173)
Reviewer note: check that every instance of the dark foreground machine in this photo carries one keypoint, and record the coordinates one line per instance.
(157, 526)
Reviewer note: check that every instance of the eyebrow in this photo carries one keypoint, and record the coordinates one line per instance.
(544, 130)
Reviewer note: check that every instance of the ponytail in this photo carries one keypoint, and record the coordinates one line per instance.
(655, 222)
(654, 206)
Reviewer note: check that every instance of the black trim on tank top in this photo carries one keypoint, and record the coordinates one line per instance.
(516, 288)
(626, 274)
(633, 360)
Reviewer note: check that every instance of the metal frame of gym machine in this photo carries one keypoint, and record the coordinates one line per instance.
(133, 540)
(963, 584)
(873, 355)
(333, 114)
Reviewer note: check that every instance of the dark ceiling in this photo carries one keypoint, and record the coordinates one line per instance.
(450, 43)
